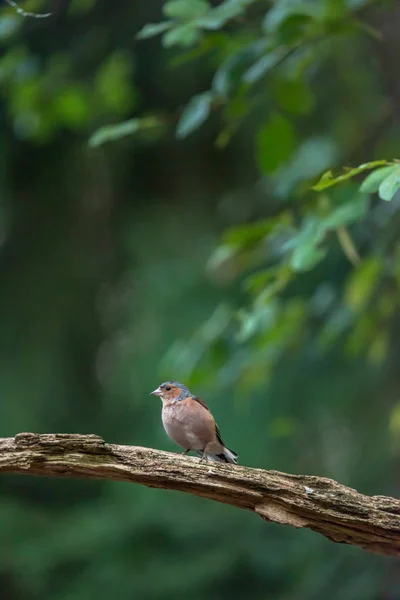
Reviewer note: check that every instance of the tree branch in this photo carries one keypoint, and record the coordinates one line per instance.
(323, 505)
(23, 12)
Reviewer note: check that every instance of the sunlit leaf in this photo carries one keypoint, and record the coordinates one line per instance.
(306, 257)
(252, 233)
(390, 185)
(218, 16)
(153, 29)
(113, 82)
(371, 183)
(194, 114)
(73, 106)
(327, 179)
(114, 132)
(108, 133)
(186, 9)
(306, 253)
(184, 35)
(263, 65)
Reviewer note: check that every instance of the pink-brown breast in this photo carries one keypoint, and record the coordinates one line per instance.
(189, 424)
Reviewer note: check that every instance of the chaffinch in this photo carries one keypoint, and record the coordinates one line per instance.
(189, 422)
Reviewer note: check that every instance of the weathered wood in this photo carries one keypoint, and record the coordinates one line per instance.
(323, 505)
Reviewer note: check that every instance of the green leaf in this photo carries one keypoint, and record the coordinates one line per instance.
(113, 83)
(294, 96)
(294, 28)
(371, 184)
(221, 257)
(307, 257)
(194, 114)
(218, 16)
(255, 283)
(362, 283)
(231, 71)
(186, 10)
(327, 179)
(114, 132)
(185, 36)
(346, 213)
(390, 185)
(153, 29)
(312, 157)
(253, 233)
(286, 11)
(223, 79)
(306, 253)
(276, 141)
(9, 24)
(360, 335)
(146, 125)
(269, 282)
(263, 65)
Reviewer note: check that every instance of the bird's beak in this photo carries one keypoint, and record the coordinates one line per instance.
(156, 392)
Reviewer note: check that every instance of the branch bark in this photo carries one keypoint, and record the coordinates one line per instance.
(323, 505)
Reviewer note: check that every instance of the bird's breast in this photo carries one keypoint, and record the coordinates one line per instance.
(188, 428)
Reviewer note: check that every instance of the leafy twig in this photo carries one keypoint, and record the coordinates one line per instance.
(24, 13)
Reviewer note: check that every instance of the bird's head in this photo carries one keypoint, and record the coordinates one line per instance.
(171, 391)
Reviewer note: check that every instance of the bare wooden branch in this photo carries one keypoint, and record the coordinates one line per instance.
(323, 505)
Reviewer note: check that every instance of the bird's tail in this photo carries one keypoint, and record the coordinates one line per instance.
(230, 456)
(227, 456)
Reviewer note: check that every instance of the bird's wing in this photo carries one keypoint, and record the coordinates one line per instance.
(200, 401)
(204, 405)
(219, 435)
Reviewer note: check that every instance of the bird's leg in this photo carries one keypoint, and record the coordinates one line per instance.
(204, 458)
(185, 452)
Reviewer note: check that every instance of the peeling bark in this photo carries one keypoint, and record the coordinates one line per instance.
(323, 505)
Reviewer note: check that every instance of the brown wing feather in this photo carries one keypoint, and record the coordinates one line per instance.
(200, 401)
(219, 435)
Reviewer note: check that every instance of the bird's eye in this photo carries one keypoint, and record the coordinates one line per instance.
(168, 388)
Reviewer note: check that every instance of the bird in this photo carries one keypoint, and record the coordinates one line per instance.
(189, 423)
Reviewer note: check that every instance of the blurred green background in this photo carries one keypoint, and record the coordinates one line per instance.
(141, 241)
